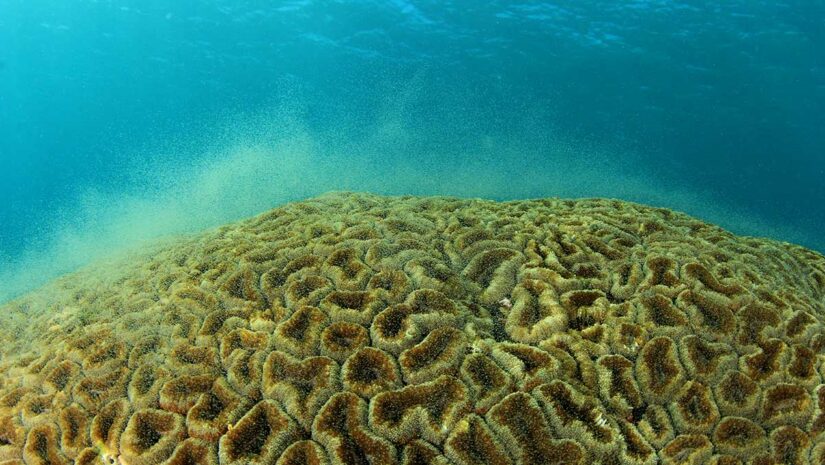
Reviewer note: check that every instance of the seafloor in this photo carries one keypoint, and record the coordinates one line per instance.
(359, 329)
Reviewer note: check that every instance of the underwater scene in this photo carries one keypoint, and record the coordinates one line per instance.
(396, 232)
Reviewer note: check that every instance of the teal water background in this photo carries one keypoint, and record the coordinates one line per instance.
(125, 120)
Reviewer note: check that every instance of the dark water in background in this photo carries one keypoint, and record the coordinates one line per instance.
(122, 120)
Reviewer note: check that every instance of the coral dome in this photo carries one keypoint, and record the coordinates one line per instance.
(360, 329)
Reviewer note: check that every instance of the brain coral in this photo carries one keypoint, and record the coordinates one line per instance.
(357, 329)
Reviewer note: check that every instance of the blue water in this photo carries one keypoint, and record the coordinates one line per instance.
(125, 120)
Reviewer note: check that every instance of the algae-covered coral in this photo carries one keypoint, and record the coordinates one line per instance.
(358, 329)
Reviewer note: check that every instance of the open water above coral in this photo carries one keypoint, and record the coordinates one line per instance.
(121, 121)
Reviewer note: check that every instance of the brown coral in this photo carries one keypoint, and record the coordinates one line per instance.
(151, 436)
(353, 329)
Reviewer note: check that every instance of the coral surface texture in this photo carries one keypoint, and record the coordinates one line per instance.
(359, 329)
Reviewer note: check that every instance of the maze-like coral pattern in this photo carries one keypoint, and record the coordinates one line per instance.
(357, 329)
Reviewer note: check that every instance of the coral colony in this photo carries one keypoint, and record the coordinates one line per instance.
(358, 329)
